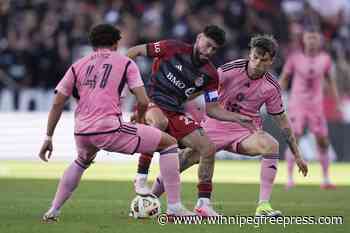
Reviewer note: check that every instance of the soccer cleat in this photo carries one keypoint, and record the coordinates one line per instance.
(289, 185)
(141, 187)
(50, 216)
(205, 210)
(328, 186)
(179, 211)
(265, 209)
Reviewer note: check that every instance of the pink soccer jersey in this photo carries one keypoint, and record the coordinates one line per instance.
(238, 93)
(308, 74)
(305, 107)
(97, 81)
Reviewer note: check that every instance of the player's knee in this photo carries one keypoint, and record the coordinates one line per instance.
(166, 141)
(84, 163)
(161, 124)
(208, 150)
(156, 120)
(323, 143)
(269, 146)
(171, 140)
(324, 146)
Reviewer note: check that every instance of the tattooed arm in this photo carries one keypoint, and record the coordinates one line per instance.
(283, 123)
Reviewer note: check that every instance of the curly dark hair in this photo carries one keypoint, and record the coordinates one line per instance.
(104, 35)
(264, 44)
(216, 33)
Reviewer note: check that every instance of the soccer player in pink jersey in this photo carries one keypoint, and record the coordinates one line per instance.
(309, 69)
(246, 85)
(97, 80)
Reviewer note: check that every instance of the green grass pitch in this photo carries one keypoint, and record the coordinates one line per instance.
(101, 203)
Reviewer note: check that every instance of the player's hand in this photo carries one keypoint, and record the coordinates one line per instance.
(136, 118)
(133, 117)
(46, 150)
(246, 122)
(302, 166)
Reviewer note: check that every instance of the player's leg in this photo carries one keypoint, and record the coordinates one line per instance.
(219, 138)
(154, 117)
(318, 126)
(168, 163)
(290, 167)
(262, 143)
(187, 158)
(71, 178)
(324, 158)
(297, 121)
(199, 150)
(199, 142)
(139, 138)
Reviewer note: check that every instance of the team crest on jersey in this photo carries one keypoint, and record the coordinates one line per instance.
(199, 81)
(179, 67)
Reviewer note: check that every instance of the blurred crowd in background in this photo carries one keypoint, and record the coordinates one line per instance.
(39, 39)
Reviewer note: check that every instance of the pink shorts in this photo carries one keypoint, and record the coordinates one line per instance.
(128, 139)
(314, 120)
(225, 135)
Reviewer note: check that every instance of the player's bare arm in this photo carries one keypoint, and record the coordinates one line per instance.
(283, 123)
(142, 103)
(332, 83)
(214, 110)
(54, 117)
(138, 50)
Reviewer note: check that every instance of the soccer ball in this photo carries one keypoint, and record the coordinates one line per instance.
(145, 206)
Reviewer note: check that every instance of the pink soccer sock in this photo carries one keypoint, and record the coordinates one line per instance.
(323, 157)
(67, 185)
(267, 176)
(169, 170)
(290, 164)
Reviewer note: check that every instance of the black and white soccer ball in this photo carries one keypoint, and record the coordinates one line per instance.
(145, 206)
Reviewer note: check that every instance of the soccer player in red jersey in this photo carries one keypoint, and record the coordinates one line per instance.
(181, 72)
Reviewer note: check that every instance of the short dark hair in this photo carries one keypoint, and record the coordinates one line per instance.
(264, 44)
(216, 33)
(104, 35)
(312, 29)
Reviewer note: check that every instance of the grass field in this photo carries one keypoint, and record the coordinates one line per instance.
(101, 203)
